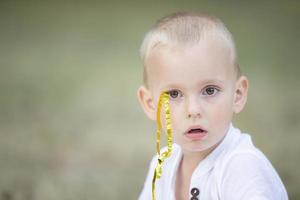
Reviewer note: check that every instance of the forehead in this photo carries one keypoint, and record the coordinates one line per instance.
(208, 60)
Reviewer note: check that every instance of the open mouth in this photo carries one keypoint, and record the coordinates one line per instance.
(195, 133)
(196, 130)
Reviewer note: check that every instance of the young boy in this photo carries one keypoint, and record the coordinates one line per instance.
(192, 57)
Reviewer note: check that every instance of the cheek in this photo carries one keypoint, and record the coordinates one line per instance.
(177, 111)
(221, 112)
(218, 114)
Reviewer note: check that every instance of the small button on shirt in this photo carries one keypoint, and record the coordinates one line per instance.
(195, 193)
(235, 170)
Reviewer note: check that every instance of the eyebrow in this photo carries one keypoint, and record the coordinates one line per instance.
(203, 82)
(212, 81)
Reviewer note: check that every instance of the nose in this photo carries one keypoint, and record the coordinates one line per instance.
(193, 108)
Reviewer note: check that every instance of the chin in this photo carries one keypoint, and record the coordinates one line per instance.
(200, 148)
(195, 148)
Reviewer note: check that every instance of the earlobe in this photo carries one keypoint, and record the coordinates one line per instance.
(241, 93)
(146, 100)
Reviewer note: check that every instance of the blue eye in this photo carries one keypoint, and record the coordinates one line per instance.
(210, 91)
(174, 94)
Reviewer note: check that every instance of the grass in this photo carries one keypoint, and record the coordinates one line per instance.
(70, 124)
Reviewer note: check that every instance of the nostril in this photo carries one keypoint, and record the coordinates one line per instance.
(194, 115)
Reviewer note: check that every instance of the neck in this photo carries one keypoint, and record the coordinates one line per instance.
(190, 160)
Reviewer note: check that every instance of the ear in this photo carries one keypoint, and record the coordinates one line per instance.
(241, 93)
(146, 100)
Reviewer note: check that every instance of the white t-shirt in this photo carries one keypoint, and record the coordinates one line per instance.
(235, 170)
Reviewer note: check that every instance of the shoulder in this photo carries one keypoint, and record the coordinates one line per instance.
(248, 163)
(167, 169)
(246, 173)
(176, 151)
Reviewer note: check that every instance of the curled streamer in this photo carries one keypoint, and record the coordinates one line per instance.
(164, 98)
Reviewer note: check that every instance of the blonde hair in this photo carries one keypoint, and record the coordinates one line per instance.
(186, 28)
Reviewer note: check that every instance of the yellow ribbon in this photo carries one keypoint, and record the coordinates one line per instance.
(164, 97)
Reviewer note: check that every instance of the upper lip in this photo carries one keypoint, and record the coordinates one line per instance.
(195, 127)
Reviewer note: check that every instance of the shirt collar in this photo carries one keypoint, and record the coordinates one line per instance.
(208, 163)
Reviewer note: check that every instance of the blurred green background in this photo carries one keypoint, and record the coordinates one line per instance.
(70, 125)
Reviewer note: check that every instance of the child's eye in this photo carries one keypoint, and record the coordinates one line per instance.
(210, 91)
(174, 94)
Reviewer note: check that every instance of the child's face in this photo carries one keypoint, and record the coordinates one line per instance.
(203, 89)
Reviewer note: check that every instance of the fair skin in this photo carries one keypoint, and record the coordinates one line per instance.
(204, 92)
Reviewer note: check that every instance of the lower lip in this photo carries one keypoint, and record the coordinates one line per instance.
(196, 136)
